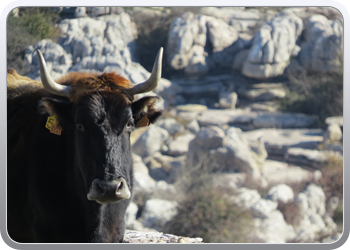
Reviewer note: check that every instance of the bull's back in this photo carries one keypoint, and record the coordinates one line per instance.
(23, 95)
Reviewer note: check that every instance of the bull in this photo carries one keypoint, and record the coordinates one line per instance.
(69, 164)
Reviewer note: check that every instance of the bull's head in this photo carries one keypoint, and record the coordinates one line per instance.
(100, 120)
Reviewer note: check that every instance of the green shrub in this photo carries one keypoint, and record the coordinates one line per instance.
(32, 25)
(206, 213)
(315, 94)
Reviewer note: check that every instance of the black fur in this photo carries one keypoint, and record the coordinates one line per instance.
(49, 175)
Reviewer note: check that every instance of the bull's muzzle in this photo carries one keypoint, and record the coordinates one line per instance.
(108, 192)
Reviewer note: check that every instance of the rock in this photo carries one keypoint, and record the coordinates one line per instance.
(171, 125)
(138, 165)
(234, 155)
(278, 141)
(308, 157)
(335, 120)
(209, 137)
(258, 150)
(235, 118)
(284, 120)
(130, 215)
(191, 108)
(323, 45)
(221, 35)
(263, 92)
(143, 183)
(193, 126)
(280, 173)
(184, 32)
(158, 173)
(229, 14)
(245, 197)
(157, 212)
(228, 100)
(273, 229)
(263, 208)
(281, 193)
(332, 205)
(156, 237)
(150, 142)
(179, 146)
(311, 220)
(57, 60)
(273, 45)
(333, 133)
(229, 180)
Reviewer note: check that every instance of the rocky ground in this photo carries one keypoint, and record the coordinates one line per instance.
(220, 111)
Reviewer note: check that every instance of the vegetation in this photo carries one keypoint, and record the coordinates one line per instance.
(30, 26)
(207, 213)
(315, 94)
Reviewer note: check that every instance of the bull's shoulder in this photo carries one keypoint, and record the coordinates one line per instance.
(17, 84)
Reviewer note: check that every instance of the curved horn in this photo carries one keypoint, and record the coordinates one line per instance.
(49, 84)
(153, 80)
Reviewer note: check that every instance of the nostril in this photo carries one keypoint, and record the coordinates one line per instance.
(120, 186)
(99, 188)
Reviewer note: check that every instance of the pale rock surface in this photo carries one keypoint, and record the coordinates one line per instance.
(156, 237)
(281, 193)
(151, 141)
(157, 212)
(179, 145)
(273, 45)
(308, 157)
(278, 141)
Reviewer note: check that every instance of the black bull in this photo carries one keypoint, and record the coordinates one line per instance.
(76, 186)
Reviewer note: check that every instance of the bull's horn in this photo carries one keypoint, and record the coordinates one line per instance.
(153, 80)
(49, 84)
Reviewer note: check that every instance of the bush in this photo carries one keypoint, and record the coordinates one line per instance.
(315, 94)
(206, 213)
(32, 25)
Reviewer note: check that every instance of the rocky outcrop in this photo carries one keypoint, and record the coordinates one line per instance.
(273, 46)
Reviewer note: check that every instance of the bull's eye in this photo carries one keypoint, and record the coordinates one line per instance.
(79, 127)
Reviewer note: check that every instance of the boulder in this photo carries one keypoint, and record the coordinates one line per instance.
(171, 125)
(269, 223)
(323, 45)
(156, 213)
(151, 141)
(281, 193)
(273, 229)
(209, 137)
(311, 220)
(312, 158)
(179, 146)
(58, 61)
(333, 133)
(278, 141)
(274, 172)
(230, 153)
(130, 215)
(273, 46)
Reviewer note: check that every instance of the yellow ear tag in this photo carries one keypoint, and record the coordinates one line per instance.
(144, 122)
(51, 125)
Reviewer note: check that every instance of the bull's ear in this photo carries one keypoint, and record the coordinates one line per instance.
(62, 110)
(145, 106)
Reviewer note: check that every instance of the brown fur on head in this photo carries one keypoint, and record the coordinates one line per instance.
(86, 83)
